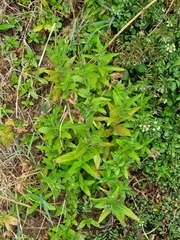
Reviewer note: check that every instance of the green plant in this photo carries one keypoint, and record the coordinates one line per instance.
(6, 132)
(8, 221)
(12, 41)
(86, 137)
(12, 22)
(4, 111)
(35, 37)
(106, 234)
(107, 135)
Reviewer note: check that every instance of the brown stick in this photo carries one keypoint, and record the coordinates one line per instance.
(14, 201)
(20, 203)
(131, 21)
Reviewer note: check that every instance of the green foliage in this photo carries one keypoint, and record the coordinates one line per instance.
(11, 22)
(4, 111)
(86, 137)
(95, 129)
(106, 234)
(6, 132)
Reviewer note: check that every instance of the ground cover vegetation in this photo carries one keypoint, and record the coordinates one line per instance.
(89, 119)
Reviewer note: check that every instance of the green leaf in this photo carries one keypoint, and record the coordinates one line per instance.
(80, 128)
(38, 28)
(48, 27)
(13, 41)
(121, 130)
(100, 202)
(74, 168)
(89, 67)
(91, 57)
(65, 134)
(81, 225)
(133, 111)
(104, 214)
(80, 150)
(119, 215)
(83, 93)
(88, 182)
(142, 68)
(44, 130)
(66, 157)
(114, 115)
(102, 71)
(113, 68)
(94, 223)
(91, 152)
(85, 189)
(32, 208)
(134, 155)
(97, 160)
(89, 170)
(44, 3)
(50, 207)
(124, 170)
(6, 26)
(108, 57)
(124, 210)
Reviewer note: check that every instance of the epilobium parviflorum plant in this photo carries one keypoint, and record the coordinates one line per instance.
(88, 147)
(106, 125)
